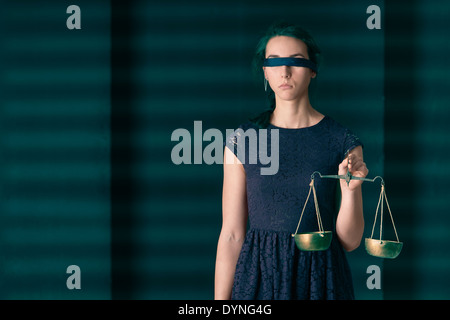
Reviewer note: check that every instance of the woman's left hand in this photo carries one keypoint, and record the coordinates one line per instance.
(355, 164)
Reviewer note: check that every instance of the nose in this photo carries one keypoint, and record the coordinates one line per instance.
(285, 72)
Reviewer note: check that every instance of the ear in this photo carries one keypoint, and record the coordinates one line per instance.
(313, 75)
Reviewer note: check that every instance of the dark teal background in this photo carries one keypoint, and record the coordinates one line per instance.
(54, 150)
(86, 118)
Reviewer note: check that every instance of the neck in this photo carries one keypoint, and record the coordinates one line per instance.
(295, 114)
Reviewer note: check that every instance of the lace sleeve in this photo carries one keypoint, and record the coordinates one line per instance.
(351, 141)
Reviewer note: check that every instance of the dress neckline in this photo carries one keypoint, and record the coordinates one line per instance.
(298, 129)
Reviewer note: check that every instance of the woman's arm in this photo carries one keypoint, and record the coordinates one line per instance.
(234, 225)
(350, 219)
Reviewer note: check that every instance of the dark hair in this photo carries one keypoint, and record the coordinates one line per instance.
(279, 28)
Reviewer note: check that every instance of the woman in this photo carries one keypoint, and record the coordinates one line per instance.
(263, 261)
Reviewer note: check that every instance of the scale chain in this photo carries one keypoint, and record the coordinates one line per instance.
(390, 213)
(316, 205)
(307, 198)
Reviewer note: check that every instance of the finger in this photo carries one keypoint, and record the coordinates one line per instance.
(357, 167)
(343, 164)
(352, 161)
(355, 162)
(360, 170)
(343, 167)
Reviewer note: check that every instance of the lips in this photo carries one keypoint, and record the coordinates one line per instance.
(285, 86)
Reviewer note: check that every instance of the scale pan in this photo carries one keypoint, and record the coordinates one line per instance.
(313, 241)
(383, 248)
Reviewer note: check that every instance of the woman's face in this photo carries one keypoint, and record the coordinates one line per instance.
(288, 83)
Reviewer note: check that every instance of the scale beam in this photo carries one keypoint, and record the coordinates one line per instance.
(347, 177)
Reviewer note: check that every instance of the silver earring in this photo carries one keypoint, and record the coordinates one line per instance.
(265, 84)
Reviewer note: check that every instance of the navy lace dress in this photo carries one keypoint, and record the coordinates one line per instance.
(270, 266)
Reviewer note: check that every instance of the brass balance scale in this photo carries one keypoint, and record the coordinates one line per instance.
(321, 240)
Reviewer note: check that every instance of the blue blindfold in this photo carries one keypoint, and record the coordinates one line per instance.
(292, 62)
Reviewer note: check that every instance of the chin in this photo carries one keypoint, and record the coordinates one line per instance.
(288, 96)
